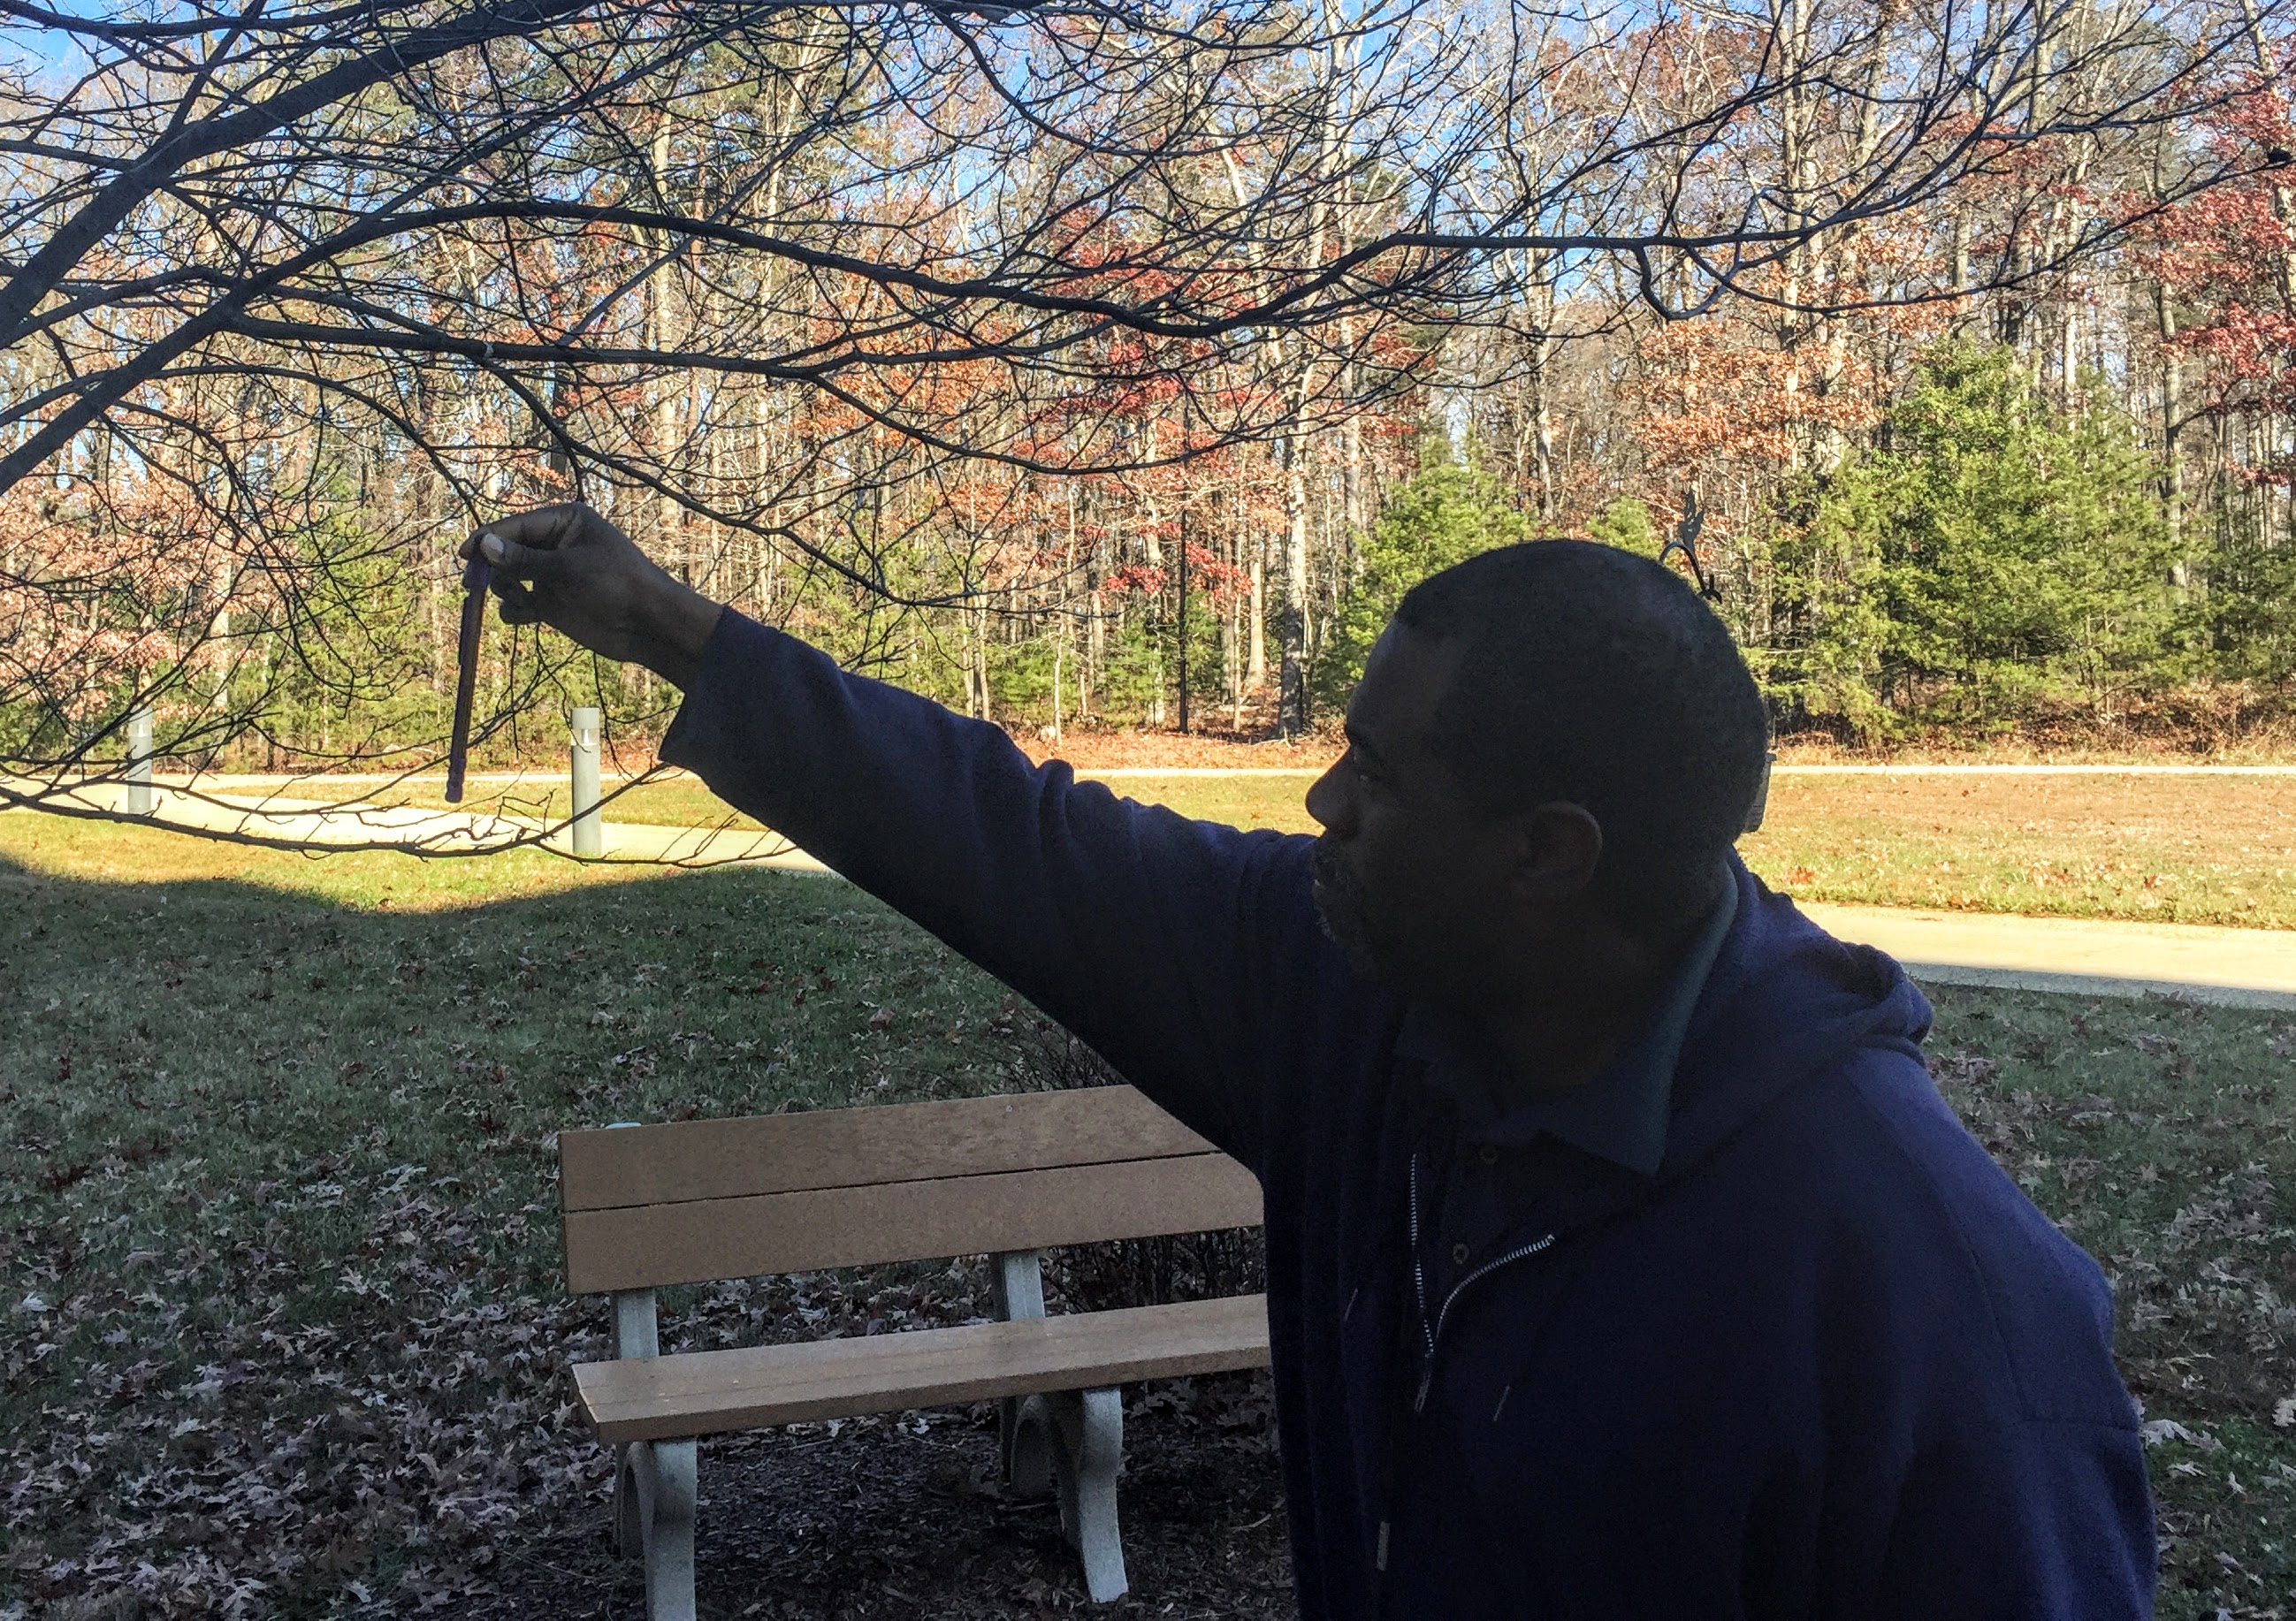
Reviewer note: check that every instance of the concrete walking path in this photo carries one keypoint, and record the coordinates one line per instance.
(415, 830)
(2081, 956)
(2076, 956)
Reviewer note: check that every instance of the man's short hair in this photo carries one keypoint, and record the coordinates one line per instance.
(1595, 676)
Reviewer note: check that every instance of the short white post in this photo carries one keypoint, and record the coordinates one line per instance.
(139, 763)
(589, 831)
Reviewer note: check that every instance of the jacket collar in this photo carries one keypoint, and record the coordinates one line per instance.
(1621, 1114)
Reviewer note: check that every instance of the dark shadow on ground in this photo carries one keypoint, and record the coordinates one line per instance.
(279, 1248)
(277, 1165)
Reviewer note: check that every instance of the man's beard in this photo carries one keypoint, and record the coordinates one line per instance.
(1344, 908)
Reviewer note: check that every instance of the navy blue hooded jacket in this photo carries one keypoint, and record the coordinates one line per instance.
(1827, 1363)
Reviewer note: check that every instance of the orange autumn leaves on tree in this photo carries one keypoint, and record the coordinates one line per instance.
(131, 584)
(2228, 261)
(1714, 396)
(940, 334)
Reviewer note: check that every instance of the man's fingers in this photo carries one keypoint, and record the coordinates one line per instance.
(543, 527)
(522, 562)
(517, 605)
(542, 530)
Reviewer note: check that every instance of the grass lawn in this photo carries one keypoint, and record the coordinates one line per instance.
(2163, 849)
(2157, 848)
(281, 1241)
(2167, 850)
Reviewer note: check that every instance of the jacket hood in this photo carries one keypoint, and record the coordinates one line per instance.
(1785, 1002)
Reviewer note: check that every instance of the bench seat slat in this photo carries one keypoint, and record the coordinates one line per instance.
(708, 1239)
(709, 1392)
(648, 1164)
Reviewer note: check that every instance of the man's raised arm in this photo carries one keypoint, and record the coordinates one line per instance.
(1173, 946)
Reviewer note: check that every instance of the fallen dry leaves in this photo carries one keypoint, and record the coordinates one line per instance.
(432, 1419)
(424, 1429)
(384, 1425)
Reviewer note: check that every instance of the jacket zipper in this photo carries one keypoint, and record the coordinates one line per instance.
(1431, 1332)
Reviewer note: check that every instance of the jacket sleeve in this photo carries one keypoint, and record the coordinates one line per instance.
(2033, 1521)
(1170, 946)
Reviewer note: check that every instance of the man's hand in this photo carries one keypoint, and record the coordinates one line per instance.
(568, 568)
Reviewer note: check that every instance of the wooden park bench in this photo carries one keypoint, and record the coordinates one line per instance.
(649, 1206)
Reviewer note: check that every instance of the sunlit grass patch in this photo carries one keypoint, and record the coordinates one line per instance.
(2167, 849)
(2181, 849)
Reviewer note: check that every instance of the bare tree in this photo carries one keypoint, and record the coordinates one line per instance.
(829, 302)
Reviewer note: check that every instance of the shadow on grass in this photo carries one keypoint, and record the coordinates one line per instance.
(282, 1241)
(278, 1172)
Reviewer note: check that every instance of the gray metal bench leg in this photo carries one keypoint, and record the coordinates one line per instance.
(655, 1483)
(629, 1518)
(1067, 1441)
(1032, 1438)
(1016, 1281)
(1073, 1442)
(1093, 1426)
(654, 1492)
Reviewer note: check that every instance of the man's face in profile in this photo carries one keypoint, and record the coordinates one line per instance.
(1407, 880)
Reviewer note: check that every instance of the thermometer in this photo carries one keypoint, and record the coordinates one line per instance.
(476, 575)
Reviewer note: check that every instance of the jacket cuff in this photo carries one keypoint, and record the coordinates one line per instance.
(697, 733)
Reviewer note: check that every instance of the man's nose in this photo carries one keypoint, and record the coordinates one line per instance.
(1330, 803)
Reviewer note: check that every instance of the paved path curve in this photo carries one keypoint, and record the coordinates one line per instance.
(278, 821)
(2080, 956)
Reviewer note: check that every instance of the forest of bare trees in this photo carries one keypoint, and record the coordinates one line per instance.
(1027, 354)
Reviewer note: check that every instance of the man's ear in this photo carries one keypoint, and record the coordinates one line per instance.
(1561, 846)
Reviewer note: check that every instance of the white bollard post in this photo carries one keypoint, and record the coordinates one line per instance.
(589, 830)
(139, 763)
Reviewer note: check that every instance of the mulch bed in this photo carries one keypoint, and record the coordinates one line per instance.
(908, 1516)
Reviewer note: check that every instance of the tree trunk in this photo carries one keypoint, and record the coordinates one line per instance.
(1291, 694)
(2172, 426)
(1542, 411)
(1096, 657)
(1255, 674)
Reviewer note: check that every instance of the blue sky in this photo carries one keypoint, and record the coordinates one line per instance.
(43, 52)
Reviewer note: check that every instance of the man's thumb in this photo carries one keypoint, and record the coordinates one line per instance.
(520, 562)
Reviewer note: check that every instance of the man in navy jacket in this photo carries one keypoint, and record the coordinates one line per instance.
(1623, 1262)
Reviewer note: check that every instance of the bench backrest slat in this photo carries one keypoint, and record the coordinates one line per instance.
(696, 1202)
(700, 1240)
(652, 1165)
